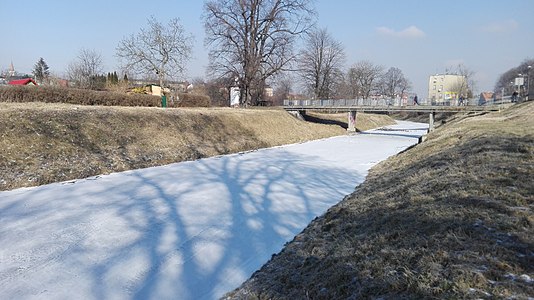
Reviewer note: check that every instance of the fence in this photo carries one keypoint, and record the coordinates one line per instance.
(394, 102)
(343, 102)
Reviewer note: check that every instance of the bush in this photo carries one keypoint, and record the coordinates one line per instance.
(189, 100)
(51, 94)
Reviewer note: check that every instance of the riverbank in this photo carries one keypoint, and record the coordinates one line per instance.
(451, 218)
(44, 142)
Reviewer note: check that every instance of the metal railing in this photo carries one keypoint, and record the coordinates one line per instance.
(341, 102)
(393, 102)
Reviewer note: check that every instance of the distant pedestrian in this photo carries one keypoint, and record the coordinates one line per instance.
(514, 96)
(415, 100)
(461, 101)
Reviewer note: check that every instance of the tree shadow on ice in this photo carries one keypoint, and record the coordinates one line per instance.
(209, 225)
(192, 230)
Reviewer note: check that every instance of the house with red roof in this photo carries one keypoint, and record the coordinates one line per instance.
(24, 81)
(486, 97)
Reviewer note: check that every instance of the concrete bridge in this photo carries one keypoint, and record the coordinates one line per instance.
(352, 107)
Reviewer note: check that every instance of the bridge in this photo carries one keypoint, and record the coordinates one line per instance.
(352, 107)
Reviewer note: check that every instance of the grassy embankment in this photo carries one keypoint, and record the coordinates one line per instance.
(451, 218)
(44, 142)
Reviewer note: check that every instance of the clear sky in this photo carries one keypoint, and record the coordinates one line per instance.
(419, 37)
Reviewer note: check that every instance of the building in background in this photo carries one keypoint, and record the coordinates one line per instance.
(487, 97)
(446, 89)
(24, 81)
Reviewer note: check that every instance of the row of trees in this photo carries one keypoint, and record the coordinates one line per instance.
(506, 82)
(362, 80)
(158, 51)
(86, 70)
(321, 65)
(252, 43)
(83, 71)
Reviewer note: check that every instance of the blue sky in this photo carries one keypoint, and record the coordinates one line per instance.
(419, 37)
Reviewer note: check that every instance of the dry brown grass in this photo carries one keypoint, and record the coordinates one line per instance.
(451, 218)
(43, 142)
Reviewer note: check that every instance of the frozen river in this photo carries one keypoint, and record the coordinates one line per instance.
(191, 230)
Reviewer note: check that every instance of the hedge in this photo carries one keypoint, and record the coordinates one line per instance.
(189, 100)
(89, 97)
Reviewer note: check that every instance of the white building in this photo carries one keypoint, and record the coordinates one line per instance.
(447, 88)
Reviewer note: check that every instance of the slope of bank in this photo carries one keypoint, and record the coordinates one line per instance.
(43, 143)
(451, 218)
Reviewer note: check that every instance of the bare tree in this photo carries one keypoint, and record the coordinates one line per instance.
(342, 89)
(283, 85)
(252, 40)
(320, 63)
(465, 83)
(160, 50)
(505, 83)
(363, 77)
(394, 83)
(352, 86)
(85, 69)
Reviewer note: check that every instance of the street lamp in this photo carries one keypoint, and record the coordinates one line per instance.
(520, 81)
(528, 82)
(514, 92)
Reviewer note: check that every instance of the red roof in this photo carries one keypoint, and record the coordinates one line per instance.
(24, 81)
(486, 95)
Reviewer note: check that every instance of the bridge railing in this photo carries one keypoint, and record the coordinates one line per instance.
(343, 102)
(391, 102)
(504, 100)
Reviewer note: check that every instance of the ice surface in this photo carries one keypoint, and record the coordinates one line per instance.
(191, 230)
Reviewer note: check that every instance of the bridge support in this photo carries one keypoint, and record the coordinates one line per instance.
(431, 121)
(299, 114)
(352, 121)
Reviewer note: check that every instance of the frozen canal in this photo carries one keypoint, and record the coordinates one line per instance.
(191, 230)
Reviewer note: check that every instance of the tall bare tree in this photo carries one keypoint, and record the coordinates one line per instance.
(252, 40)
(320, 63)
(160, 50)
(394, 83)
(85, 69)
(465, 84)
(363, 77)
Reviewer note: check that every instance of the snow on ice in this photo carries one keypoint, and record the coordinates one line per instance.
(191, 230)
